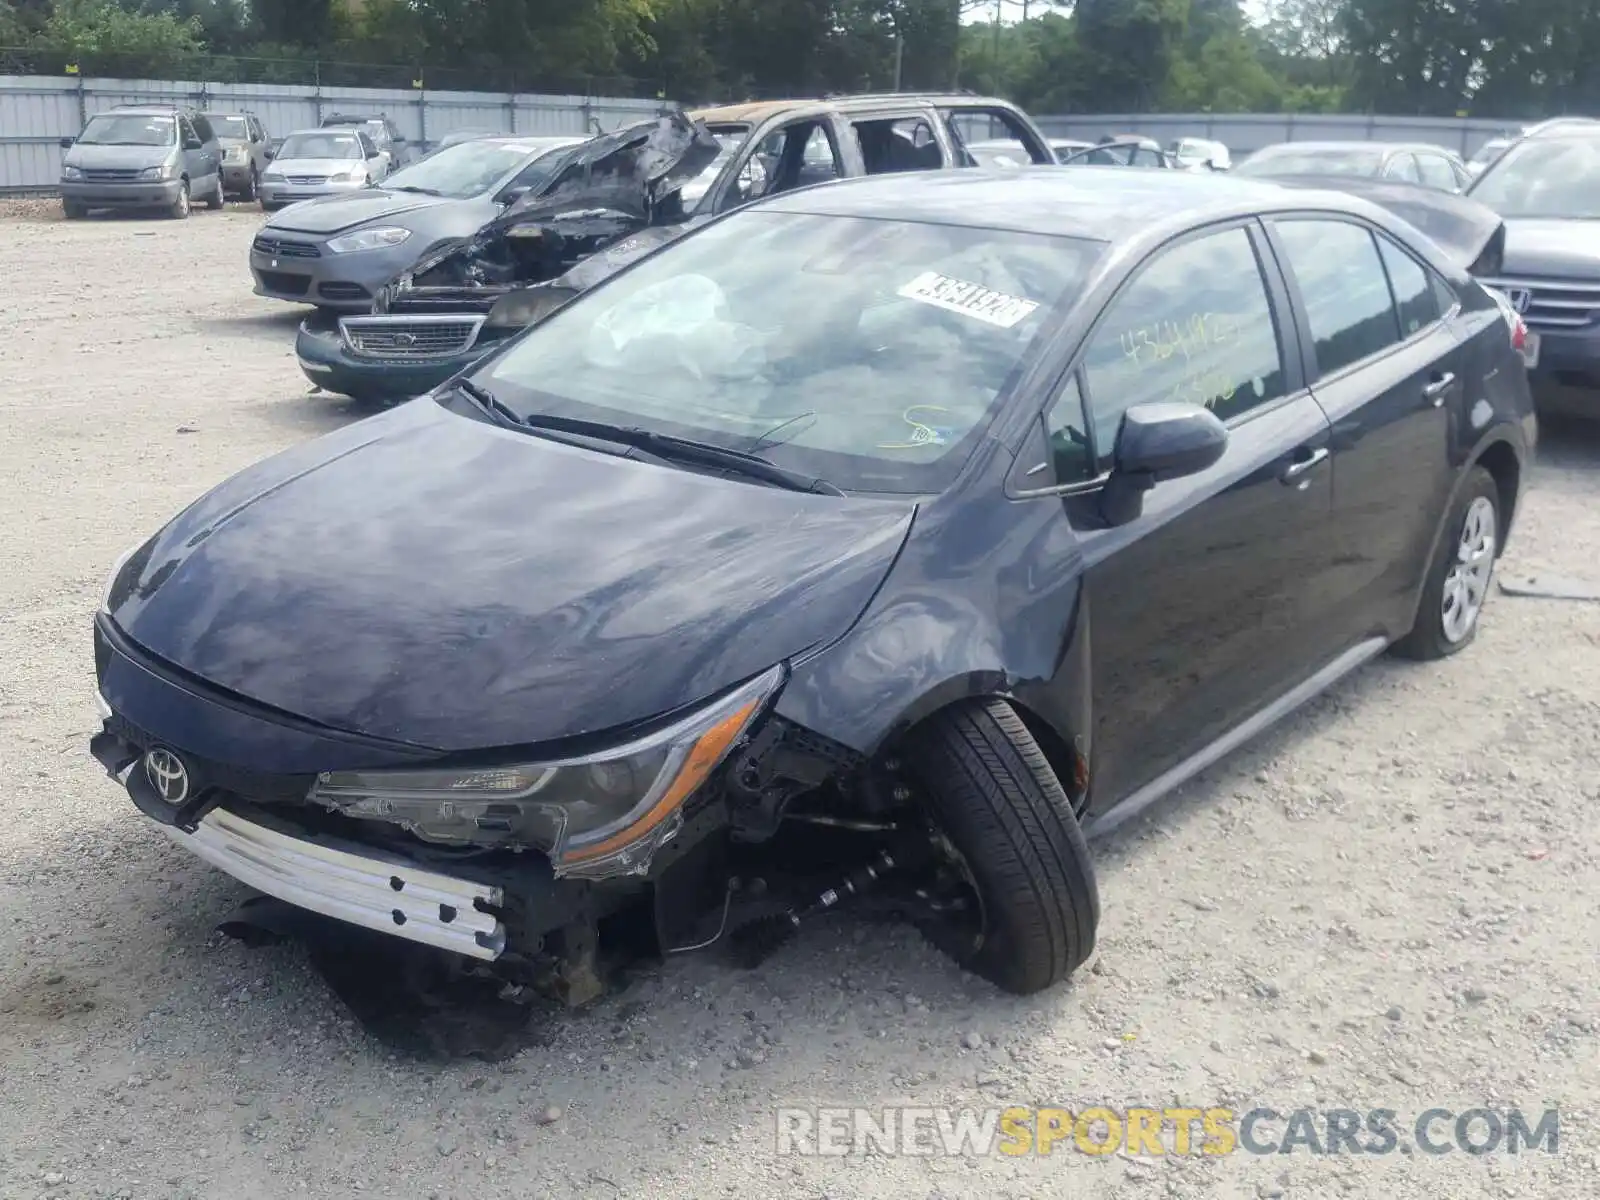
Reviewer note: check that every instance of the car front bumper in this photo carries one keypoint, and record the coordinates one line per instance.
(379, 892)
(329, 362)
(279, 192)
(313, 274)
(154, 194)
(1566, 379)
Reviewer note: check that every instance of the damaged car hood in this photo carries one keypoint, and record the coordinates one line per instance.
(548, 591)
(603, 190)
(1468, 232)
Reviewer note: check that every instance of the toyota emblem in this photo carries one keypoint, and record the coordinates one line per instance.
(405, 339)
(167, 774)
(1520, 298)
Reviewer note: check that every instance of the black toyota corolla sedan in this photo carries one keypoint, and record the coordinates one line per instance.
(878, 541)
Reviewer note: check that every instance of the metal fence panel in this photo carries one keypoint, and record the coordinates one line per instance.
(37, 111)
(1245, 133)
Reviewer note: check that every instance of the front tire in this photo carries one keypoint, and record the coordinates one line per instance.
(1459, 575)
(251, 187)
(73, 211)
(180, 207)
(995, 800)
(217, 199)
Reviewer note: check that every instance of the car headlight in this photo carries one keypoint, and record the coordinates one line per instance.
(368, 239)
(353, 175)
(519, 309)
(272, 177)
(152, 173)
(69, 172)
(600, 815)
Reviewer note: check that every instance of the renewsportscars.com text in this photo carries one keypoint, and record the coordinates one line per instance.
(1154, 1132)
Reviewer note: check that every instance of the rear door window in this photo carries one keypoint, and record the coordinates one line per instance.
(894, 144)
(1415, 299)
(1195, 326)
(969, 125)
(1344, 288)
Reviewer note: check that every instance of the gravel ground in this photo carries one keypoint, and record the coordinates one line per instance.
(1380, 905)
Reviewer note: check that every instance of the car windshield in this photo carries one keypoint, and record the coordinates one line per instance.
(1353, 160)
(467, 168)
(230, 127)
(128, 129)
(872, 353)
(320, 145)
(1545, 177)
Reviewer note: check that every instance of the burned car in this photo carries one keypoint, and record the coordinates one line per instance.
(873, 541)
(457, 303)
(469, 293)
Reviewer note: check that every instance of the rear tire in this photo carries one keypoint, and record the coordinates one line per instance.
(1459, 577)
(180, 207)
(251, 187)
(992, 794)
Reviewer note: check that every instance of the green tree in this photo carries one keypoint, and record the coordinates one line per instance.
(106, 37)
(1128, 47)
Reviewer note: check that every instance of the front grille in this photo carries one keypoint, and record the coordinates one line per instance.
(285, 282)
(1553, 303)
(343, 291)
(307, 180)
(274, 247)
(107, 175)
(410, 337)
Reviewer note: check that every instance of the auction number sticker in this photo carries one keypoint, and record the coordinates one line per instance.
(969, 299)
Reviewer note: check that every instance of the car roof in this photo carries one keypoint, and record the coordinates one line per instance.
(753, 112)
(1107, 204)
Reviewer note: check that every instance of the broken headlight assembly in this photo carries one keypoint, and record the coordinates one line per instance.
(526, 306)
(598, 815)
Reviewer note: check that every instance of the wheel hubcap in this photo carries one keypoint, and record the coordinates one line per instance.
(1467, 582)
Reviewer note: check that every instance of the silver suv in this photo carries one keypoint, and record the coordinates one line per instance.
(246, 150)
(141, 156)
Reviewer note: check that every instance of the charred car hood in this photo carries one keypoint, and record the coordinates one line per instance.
(427, 577)
(334, 214)
(1547, 246)
(605, 189)
(1468, 232)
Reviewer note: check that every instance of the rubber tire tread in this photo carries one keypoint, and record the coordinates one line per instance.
(1426, 641)
(992, 792)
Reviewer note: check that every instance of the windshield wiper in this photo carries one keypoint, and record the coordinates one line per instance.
(411, 187)
(489, 404)
(685, 450)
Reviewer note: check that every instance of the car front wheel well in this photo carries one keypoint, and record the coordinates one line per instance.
(1500, 460)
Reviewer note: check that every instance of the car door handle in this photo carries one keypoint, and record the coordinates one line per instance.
(1295, 472)
(1435, 391)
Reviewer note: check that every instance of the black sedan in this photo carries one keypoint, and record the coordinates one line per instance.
(891, 535)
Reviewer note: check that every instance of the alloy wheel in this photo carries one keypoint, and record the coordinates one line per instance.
(1466, 584)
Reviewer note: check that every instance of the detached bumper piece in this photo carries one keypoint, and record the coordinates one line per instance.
(377, 893)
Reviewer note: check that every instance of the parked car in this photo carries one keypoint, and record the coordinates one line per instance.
(1546, 187)
(385, 134)
(1129, 151)
(313, 163)
(1431, 166)
(141, 156)
(338, 250)
(757, 149)
(1200, 152)
(891, 533)
(1064, 148)
(246, 151)
(457, 136)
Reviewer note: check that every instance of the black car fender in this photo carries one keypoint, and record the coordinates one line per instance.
(937, 633)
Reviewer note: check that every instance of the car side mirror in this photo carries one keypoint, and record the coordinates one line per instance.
(269, 153)
(193, 144)
(1156, 443)
(67, 142)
